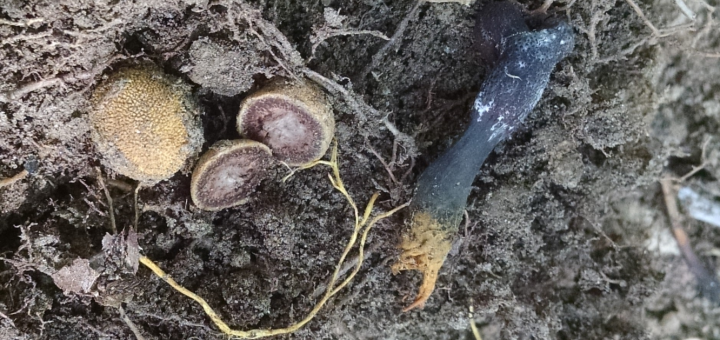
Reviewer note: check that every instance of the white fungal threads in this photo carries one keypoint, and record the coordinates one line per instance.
(498, 129)
(510, 75)
(481, 108)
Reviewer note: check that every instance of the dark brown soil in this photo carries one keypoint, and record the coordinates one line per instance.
(561, 240)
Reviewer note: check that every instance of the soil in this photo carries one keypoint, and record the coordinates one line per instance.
(566, 235)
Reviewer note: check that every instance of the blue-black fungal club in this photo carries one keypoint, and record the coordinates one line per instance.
(522, 61)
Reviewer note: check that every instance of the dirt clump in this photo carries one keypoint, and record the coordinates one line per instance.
(222, 67)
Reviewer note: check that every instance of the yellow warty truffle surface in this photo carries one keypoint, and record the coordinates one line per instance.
(144, 126)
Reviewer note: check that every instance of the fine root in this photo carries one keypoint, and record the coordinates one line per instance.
(109, 199)
(130, 324)
(707, 279)
(473, 327)
(362, 227)
(14, 179)
(397, 36)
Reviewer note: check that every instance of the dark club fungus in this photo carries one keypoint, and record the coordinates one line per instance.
(228, 173)
(293, 119)
(521, 60)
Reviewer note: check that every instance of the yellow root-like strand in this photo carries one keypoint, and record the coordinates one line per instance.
(473, 327)
(360, 225)
(14, 179)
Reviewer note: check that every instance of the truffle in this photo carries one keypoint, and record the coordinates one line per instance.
(228, 173)
(145, 123)
(294, 119)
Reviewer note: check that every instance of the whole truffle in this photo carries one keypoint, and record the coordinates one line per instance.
(294, 119)
(145, 124)
(228, 173)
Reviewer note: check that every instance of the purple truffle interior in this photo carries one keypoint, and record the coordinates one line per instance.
(288, 129)
(232, 177)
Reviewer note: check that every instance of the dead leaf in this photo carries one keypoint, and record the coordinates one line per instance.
(123, 247)
(77, 278)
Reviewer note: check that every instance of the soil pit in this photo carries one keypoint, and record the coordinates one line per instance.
(555, 244)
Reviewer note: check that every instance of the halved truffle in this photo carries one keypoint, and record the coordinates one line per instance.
(145, 123)
(294, 119)
(228, 173)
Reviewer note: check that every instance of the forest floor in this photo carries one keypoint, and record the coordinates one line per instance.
(566, 236)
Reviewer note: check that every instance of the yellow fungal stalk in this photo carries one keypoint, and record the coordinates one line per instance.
(424, 248)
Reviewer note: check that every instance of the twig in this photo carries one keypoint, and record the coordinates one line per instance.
(64, 79)
(254, 19)
(137, 211)
(18, 93)
(705, 31)
(708, 282)
(335, 88)
(591, 29)
(600, 231)
(125, 187)
(93, 207)
(360, 108)
(385, 164)
(707, 6)
(623, 53)
(129, 323)
(543, 8)
(408, 171)
(707, 54)
(642, 16)
(7, 318)
(696, 169)
(24, 37)
(391, 127)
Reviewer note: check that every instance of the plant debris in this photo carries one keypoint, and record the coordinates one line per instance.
(77, 278)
